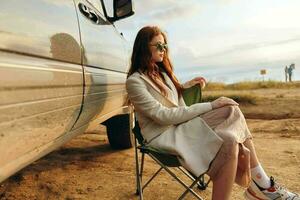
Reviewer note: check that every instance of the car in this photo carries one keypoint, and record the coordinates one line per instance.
(63, 67)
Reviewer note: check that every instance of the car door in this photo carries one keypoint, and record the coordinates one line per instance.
(41, 79)
(105, 64)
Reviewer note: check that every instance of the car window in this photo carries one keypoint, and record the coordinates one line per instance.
(97, 5)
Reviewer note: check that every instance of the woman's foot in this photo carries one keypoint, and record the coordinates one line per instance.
(254, 192)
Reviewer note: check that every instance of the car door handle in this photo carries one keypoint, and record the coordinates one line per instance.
(89, 13)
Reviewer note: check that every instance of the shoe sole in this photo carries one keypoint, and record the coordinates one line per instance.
(249, 196)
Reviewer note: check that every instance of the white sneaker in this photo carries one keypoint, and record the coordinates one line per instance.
(275, 192)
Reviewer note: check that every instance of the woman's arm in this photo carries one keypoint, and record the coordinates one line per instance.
(145, 103)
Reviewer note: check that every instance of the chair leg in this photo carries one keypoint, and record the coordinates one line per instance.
(153, 176)
(142, 166)
(188, 188)
(201, 183)
(139, 190)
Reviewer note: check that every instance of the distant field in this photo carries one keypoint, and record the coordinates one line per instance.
(262, 103)
(248, 85)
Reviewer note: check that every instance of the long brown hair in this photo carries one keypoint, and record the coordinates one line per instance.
(141, 58)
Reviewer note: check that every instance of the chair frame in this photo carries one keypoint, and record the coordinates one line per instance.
(144, 150)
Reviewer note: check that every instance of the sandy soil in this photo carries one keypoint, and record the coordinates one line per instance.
(87, 168)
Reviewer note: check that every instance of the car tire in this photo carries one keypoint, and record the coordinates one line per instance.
(118, 132)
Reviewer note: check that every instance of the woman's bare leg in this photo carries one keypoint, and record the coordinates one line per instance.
(257, 172)
(253, 157)
(222, 184)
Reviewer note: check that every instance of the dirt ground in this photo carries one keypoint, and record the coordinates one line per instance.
(87, 168)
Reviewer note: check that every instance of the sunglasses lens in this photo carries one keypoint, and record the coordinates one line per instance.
(161, 47)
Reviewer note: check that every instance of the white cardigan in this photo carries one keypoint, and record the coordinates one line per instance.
(158, 114)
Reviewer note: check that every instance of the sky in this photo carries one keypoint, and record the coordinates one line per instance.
(224, 40)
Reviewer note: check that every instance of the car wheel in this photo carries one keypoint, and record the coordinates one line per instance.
(118, 132)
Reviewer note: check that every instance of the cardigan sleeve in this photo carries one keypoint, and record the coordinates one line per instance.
(145, 103)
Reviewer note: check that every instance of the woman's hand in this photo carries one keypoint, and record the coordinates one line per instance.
(223, 101)
(198, 80)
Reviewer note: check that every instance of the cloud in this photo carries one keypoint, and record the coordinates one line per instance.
(59, 3)
(161, 13)
(226, 2)
(241, 49)
(251, 46)
(176, 12)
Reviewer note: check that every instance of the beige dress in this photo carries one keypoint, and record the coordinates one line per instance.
(228, 122)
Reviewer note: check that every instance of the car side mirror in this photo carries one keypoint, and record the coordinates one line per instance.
(121, 9)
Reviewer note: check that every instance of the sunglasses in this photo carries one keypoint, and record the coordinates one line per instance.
(160, 47)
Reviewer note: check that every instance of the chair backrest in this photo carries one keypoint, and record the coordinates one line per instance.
(192, 95)
(137, 133)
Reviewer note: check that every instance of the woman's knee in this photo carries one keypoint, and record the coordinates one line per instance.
(235, 110)
(230, 109)
(226, 111)
(238, 110)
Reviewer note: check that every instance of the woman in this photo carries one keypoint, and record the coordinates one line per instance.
(206, 137)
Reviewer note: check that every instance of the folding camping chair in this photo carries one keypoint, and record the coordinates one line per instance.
(164, 160)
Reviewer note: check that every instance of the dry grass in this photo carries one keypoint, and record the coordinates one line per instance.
(249, 85)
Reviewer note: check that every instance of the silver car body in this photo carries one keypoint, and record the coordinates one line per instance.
(60, 74)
